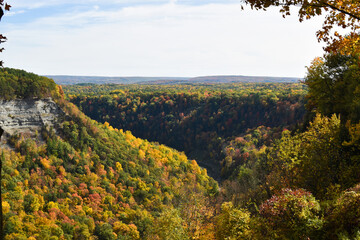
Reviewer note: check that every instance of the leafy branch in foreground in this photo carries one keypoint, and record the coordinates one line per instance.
(343, 14)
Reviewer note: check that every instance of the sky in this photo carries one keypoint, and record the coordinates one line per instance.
(178, 38)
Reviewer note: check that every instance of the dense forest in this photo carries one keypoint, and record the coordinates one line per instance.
(17, 84)
(288, 154)
(197, 119)
(277, 184)
(90, 180)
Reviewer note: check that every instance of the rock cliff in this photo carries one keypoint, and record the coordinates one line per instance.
(28, 115)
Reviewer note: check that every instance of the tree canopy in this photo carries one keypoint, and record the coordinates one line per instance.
(20, 84)
(333, 83)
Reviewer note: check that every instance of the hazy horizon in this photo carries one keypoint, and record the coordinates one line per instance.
(160, 76)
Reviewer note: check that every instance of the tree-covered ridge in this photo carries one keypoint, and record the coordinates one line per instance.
(20, 84)
(91, 181)
(240, 88)
(197, 119)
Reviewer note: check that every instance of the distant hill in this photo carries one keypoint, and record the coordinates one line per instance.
(68, 80)
(239, 78)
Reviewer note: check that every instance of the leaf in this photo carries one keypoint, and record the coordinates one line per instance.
(7, 7)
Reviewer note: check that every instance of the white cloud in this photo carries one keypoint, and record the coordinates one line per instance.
(46, 3)
(164, 40)
(12, 13)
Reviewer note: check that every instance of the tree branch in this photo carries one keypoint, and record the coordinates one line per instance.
(339, 10)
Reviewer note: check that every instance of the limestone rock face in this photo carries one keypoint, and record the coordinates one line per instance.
(28, 115)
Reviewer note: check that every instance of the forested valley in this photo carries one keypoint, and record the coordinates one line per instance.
(286, 155)
(287, 158)
(188, 161)
(198, 119)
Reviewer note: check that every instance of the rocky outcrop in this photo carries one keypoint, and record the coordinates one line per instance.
(28, 115)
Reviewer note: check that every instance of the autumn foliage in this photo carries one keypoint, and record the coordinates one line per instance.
(92, 181)
(193, 118)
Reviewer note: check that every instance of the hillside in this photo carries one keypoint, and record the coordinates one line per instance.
(79, 179)
(83, 180)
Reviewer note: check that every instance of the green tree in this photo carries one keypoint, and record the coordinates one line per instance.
(314, 159)
(334, 86)
(105, 232)
(233, 223)
(82, 232)
(343, 218)
(169, 226)
(31, 203)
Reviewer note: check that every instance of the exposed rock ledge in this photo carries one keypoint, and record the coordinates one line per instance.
(28, 115)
